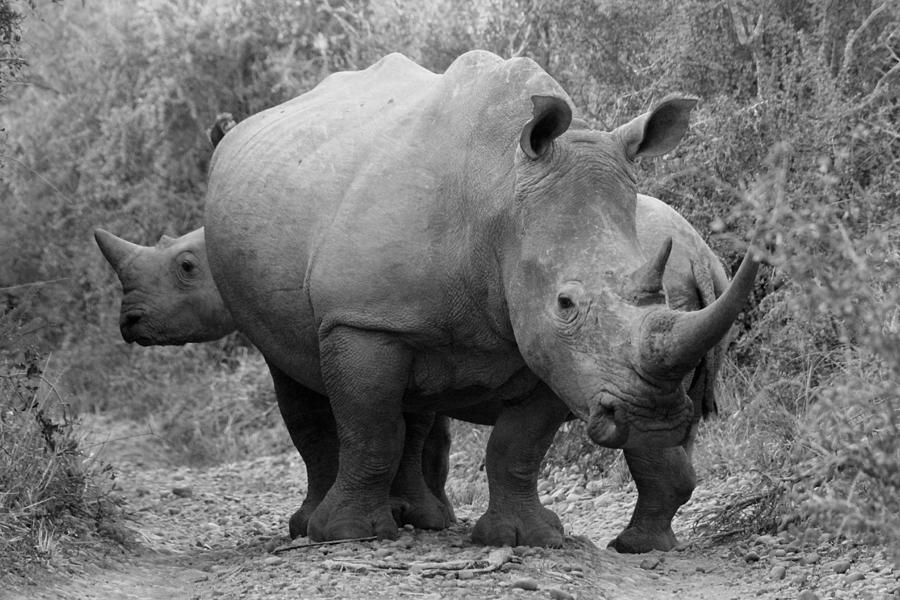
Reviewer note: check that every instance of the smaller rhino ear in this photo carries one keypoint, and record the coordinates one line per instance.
(165, 241)
(659, 130)
(551, 116)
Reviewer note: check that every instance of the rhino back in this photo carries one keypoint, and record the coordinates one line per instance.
(371, 201)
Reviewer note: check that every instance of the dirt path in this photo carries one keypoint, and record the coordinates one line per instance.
(210, 534)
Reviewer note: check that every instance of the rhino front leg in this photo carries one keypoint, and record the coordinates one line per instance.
(665, 480)
(310, 422)
(518, 443)
(422, 473)
(365, 375)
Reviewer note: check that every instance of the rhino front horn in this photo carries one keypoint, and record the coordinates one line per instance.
(115, 249)
(673, 342)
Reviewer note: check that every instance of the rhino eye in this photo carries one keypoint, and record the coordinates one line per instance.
(565, 303)
(187, 266)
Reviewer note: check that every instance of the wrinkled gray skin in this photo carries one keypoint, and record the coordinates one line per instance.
(396, 240)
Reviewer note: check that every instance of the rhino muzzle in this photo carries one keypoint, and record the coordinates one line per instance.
(615, 423)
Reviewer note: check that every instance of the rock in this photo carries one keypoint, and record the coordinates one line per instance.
(183, 492)
(808, 595)
(650, 563)
(273, 560)
(840, 566)
(853, 578)
(777, 573)
(556, 594)
(525, 584)
(751, 557)
(810, 558)
(767, 540)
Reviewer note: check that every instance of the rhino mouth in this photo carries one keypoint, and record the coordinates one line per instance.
(132, 327)
(617, 423)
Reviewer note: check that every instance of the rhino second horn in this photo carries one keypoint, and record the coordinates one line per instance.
(673, 342)
(648, 280)
(115, 249)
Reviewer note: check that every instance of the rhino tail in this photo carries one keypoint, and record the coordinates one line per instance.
(223, 123)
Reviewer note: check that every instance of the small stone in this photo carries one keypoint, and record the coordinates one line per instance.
(767, 540)
(840, 566)
(556, 594)
(853, 578)
(525, 584)
(810, 558)
(409, 527)
(183, 492)
(751, 557)
(273, 560)
(777, 573)
(465, 574)
(650, 563)
(808, 595)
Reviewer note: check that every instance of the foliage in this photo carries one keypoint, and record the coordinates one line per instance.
(796, 130)
(50, 489)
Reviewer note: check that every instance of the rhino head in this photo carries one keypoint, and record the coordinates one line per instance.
(587, 307)
(169, 296)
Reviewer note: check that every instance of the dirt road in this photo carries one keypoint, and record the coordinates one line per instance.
(219, 533)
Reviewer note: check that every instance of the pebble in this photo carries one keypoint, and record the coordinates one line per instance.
(525, 584)
(853, 578)
(273, 560)
(465, 574)
(650, 563)
(808, 595)
(840, 566)
(751, 557)
(810, 558)
(777, 573)
(556, 594)
(183, 492)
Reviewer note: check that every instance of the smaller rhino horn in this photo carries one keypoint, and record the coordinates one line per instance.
(115, 249)
(648, 279)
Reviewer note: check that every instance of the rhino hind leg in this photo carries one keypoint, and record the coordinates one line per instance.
(413, 497)
(436, 461)
(665, 480)
(310, 422)
(365, 374)
(517, 445)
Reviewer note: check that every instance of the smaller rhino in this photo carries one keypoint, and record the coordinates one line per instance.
(169, 297)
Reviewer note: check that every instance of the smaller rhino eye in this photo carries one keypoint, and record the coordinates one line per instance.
(565, 303)
(187, 266)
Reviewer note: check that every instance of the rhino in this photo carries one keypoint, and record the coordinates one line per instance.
(160, 308)
(398, 242)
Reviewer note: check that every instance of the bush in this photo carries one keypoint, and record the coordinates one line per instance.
(52, 492)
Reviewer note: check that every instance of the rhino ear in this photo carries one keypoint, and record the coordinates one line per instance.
(551, 117)
(659, 130)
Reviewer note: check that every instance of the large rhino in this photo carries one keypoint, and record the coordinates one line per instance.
(399, 240)
(170, 298)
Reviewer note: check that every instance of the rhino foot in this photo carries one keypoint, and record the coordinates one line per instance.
(540, 527)
(637, 541)
(343, 520)
(425, 513)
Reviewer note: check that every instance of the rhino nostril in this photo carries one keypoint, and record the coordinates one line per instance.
(129, 320)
